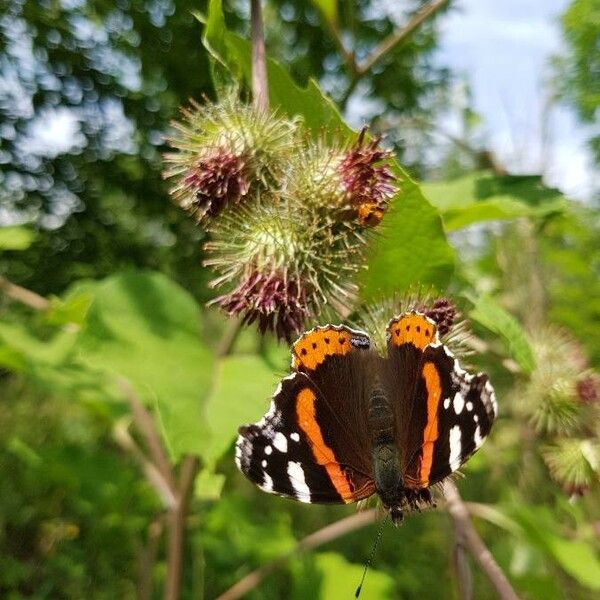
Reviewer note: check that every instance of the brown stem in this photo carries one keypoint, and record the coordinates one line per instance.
(162, 487)
(399, 35)
(23, 295)
(461, 565)
(260, 91)
(462, 522)
(147, 427)
(148, 559)
(320, 537)
(176, 527)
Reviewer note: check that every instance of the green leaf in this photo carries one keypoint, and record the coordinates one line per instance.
(241, 393)
(340, 579)
(409, 248)
(144, 327)
(492, 316)
(484, 196)
(329, 10)
(16, 238)
(576, 557)
(70, 310)
(20, 340)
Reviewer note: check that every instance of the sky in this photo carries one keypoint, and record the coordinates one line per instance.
(502, 48)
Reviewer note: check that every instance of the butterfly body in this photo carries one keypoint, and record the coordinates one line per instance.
(348, 422)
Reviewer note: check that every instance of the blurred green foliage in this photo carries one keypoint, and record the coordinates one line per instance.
(77, 515)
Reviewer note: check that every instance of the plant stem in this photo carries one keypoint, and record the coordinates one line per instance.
(462, 522)
(320, 537)
(23, 295)
(260, 91)
(400, 34)
(176, 528)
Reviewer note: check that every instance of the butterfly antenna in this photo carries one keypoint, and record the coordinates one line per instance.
(371, 556)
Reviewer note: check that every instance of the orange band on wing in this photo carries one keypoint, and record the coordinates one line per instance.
(306, 412)
(430, 436)
(413, 329)
(315, 346)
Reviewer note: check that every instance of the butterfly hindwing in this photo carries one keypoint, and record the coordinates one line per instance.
(460, 409)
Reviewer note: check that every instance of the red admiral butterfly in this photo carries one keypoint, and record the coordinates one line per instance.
(349, 423)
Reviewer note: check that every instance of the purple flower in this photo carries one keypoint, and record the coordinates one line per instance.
(278, 303)
(367, 179)
(442, 313)
(214, 182)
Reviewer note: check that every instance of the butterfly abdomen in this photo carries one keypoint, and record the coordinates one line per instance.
(385, 453)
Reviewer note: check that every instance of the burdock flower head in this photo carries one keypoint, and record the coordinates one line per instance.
(281, 265)
(354, 183)
(367, 179)
(226, 153)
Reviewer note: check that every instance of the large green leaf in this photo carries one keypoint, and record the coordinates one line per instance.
(16, 238)
(484, 196)
(340, 579)
(242, 389)
(412, 247)
(491, 315)
(144, 327)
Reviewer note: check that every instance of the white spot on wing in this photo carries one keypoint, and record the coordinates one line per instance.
(455, 447)
(469, 406)
(459, 403)
(477, 438)
(267, 486)
(280, 442)
(294, 436)
(268, 449)
(264, 464)
(447, 403)
(296, 475)
(476, 418)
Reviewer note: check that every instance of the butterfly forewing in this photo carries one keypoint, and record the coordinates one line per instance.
(308, 444)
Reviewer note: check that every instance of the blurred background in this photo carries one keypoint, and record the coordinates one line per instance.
(490, 102)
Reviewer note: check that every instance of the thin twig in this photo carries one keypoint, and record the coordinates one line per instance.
(147, 427)
(459, 513)
(147, 559)
(23, 295)
(320, 537)
(260, 91)
(400, 34)
(461, 565)
(156, 479)
(176, 528)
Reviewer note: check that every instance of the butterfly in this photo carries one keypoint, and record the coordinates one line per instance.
(348, 423)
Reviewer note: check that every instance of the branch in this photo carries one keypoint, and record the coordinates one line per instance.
(320, 537)
(176, 528)
(260, 91)
(147, 427)
(461, 565)
(400, 34)
(23, 295)
(148, 559)
(156, 479)
(462, 522)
